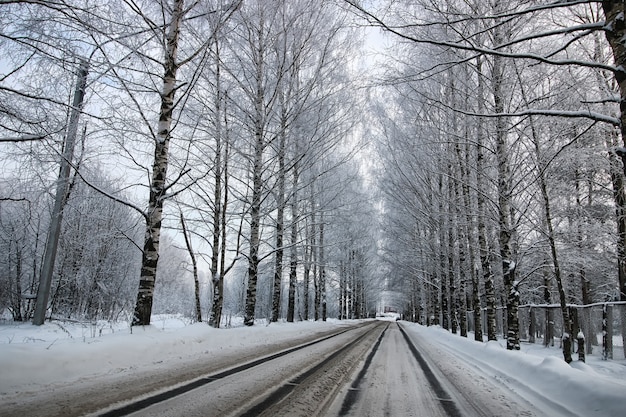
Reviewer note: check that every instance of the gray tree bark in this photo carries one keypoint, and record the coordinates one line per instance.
(194, 264)
(506, 227)
(255, 214)
(293, 256)
(615, 31)
(280, 215)
(47, 269)
(322, 270)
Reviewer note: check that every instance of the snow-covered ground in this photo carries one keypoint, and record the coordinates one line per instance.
(62, 353)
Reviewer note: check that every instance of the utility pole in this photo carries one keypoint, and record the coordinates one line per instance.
(47, 269)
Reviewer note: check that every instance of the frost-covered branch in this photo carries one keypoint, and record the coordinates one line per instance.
(397, 30)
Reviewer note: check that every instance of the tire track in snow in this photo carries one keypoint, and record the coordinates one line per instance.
(448, 404)
(172, 392)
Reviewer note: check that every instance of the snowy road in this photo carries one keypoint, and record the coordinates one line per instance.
(347, 368)
(409, 377)
(373, 370)
(296, 382)
(391, 384)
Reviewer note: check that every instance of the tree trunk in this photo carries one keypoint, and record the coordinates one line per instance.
(567, 320)
(504, 206)
(443, 266)
(257, 184)
(215, 315)
(468, 227)
(342, 289)
(322, 270)
(293, 265)
(16, 294)
(47, 269)
(615, 31)
(483, 243)
(350, 285)
(255, 223)
(194, 263)
(316, 286)
(547, 220)
(548, 338)
(280, 218)
(150, 256)
(218, 300)
(216, 277)
(308, 253)
(453, 292)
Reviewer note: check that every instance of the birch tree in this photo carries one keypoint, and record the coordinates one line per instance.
(154, 214)
(159, 186)
(282, 60)
(550, 46)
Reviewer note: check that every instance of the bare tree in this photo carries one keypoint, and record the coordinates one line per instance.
(485, 36)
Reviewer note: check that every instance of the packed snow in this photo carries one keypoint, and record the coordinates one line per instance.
(61, 353)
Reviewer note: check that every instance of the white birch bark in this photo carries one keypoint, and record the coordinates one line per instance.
(154, 214)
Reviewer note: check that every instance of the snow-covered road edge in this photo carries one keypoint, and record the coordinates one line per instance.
(33, 357)
(534, 372)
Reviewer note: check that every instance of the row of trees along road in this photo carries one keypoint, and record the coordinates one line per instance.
(514, 114)
(232, 126)
(228, 125)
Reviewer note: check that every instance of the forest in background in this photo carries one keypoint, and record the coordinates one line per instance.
(277, 170)
(217, 137)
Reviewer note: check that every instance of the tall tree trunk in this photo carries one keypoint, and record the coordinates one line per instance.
(280, 219)
(455, 234)
(443, 265)
(255, 223)
(16, 293)
(47, 269)
(453, 306)
(314, 259)
(506, 227)
(306, 284)
(350, 285)
(547, 220)
(460, 293)
(316, 286)
(565, 311)
(150, 256)
(548, 339)
(317, 297)
(216, 277)
(293, 261)
(322, 268)
(585, 285)
(217, 280)
(342, 288)
(468, 227)
(194, 263)
(218, 300)
(474, 277)
(483, 242)
(615, 31)
(257, 183)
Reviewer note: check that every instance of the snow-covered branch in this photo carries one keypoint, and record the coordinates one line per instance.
(398, 31)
